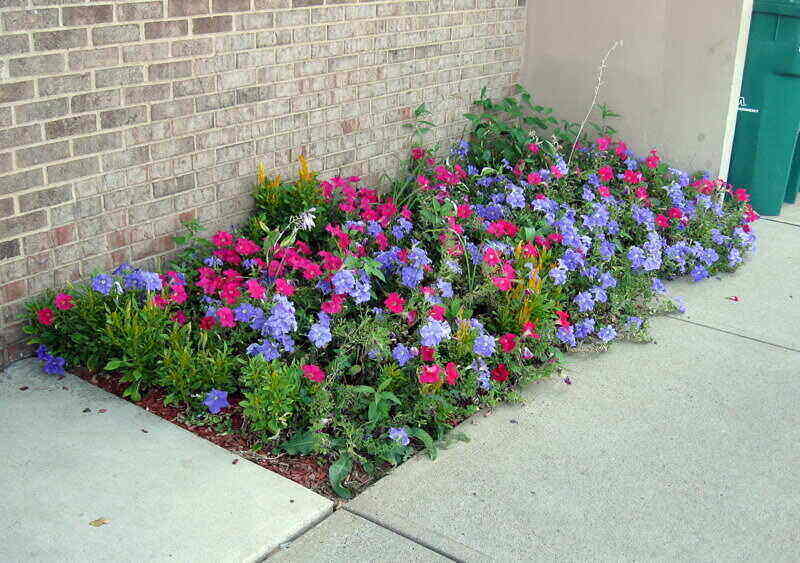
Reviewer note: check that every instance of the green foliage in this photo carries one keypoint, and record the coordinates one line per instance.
(273, 393)
(136, 336)
(193, 363)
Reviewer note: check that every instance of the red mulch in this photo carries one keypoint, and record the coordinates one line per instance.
(305, 470)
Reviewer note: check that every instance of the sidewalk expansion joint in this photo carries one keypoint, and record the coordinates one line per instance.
(781, 222)
(410, 538)
(781, 346)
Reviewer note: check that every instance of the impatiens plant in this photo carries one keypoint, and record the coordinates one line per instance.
(355, 326)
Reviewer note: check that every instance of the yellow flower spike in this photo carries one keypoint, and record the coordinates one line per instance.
(262, 173)
(305, 173)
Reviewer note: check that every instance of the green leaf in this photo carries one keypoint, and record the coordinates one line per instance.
(115, 364)
(426, 439)
(302, 443)
(366, 389)
(338, 472)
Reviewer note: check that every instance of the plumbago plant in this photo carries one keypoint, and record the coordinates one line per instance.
(364, 326)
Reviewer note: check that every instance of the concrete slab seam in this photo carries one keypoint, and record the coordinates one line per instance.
(781, 222)
(781, 346)
(324, 516)
(409, 537)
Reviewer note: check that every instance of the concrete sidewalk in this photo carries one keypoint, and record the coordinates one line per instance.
(685, 449)
(167, 494)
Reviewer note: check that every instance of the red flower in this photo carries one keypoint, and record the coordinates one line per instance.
(207, 323)
(675, 212)
(255, 289)
(230, 292)
(741, 194)
(653, 160)
(563, 319)
(178, 294)
(641, 192)
(333, 305)
(464, 211)
(500, 373)
(451, 373)
(427, 354)
(603, 143)
(313, 372)
(502, 228)
(534, 178)
(417, 153)
(179, 317)
(662, 221)
(429, 374)
(394, 302)
(64, 302)
(533, 147)
(508, 342)
(604, 191)
(222, 238)
(45, 316)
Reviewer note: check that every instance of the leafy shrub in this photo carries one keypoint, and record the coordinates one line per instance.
(272, 393)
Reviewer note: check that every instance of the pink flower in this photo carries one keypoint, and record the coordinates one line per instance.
(451, 373)
(179, 317)
(63, 302)
(178, 294)
(423, 182)
(675, 212)
(207, 323)
(255, 289)
(508, 342)
(333, 305)
(222, 238)
(417, 153)
(535, 178)
(464, 211)
(563, 319)
(437, 313)
(245, 247)
(633, 177)
(160, 301)
(314, 373)
(491, 257)
(225, 316)
(533, 147)
(394, 302)
(427, 354)
(641, 192)
(604, 191)
(229, 293)
(606, 173)
(529, 330)
(653, 160)
(503, 284)
(662, 221)
(502, 228)
(284, 287)
(429, 374)
(45, 316)
(740, 194)
(603, 143)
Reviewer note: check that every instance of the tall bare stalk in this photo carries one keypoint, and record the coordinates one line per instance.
(600, 70)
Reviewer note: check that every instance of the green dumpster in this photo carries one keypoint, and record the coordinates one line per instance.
(766, 147)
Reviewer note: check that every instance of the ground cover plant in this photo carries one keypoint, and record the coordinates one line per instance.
(356, 325)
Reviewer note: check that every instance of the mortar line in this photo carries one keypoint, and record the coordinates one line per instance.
(410, 538)
(781, 346)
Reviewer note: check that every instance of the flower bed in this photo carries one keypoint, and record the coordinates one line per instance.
(353, 325)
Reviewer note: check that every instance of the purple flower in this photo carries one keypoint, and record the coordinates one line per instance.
(212, 262)
(572, 260)
(584, 301)
(399, 435)
(566, 335)
(607, 333)
(484, 345)
(445, 287)
(599, 294)
(343, 281)
(734, 257)
(607, 280)
(102, 283)
(637, 257)
(633, 322)
(699, 273)
(584, 328)
(658, 286)
(559, 275)
(402, 354)
(54, 365)
(433, 332)
(320, 335)
(216, 400)
(411, 276)
(281, 319)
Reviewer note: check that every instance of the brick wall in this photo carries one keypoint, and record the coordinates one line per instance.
(120, 118)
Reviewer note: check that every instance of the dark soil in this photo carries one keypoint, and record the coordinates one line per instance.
(308, 471)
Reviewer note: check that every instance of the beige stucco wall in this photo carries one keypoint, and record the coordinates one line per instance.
(675, 79)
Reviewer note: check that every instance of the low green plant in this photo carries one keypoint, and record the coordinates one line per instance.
(272, 395)
(136, 335)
